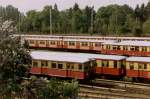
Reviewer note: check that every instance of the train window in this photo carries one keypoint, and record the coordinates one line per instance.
(105, 64)
(94, 64)
(58, 43)
(44, 63)
(125, 48)
(145, 66)
(86, 67)
(144, 49)
(118, 48)
(136, 48)
(131, 66)
(140, 66)
(115, 64)
(53, 65)
(71, 43)
(84, 44)
(68, 66)
(60, 66)
(97, 44)
(66, 43)
(52, 42)
(35, 64)
(132, 48)
(72, 66)
(108, 46)
(91, 44)
(80, 66)
(114, 47)
(42, 42)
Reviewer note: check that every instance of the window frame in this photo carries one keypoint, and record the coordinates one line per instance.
(60, 67)
(53, 65)
(35, 62)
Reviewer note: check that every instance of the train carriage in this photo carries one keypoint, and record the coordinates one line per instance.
(44, 42)
(61, 65)
(95, 45)
(138, 67)
(110, 65)
(113, 65)
(130, 48)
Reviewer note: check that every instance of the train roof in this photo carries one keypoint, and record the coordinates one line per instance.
(74, 40)
(83, 40)
(138, 59)
(83, 55)
(98, 37)
(104, 57)
(41, 55)
(129, 43)
(42, 39)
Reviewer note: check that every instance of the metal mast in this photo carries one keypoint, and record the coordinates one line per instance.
(51, 32)
(92, 20)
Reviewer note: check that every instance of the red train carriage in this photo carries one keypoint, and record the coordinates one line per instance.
(107, 64)
(89, 45)
(61, 65)
(138, 67)
(95, 45)
(44, 42)
(130, 48)
(110, 65)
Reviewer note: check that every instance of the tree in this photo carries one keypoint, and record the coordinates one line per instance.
(51, 89)
(14, 63)
(146, 27)
(109, 20)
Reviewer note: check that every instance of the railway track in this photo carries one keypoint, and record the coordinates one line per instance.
(110, 89)
(94, 92)
(123, 84)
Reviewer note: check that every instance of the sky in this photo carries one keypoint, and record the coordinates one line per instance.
(26, 5)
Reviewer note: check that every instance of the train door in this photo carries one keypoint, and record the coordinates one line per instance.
(140, 70)
(58, 44)
(78, 45)
(65, 44)
(36, 43)
(69, 71)
(47, 44)
(91, 46)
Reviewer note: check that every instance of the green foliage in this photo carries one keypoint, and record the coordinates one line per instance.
(10, 13)
(52, 89)
(110, 20)
(146, 27)
(14, 59)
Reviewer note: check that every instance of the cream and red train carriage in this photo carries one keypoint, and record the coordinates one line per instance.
(138, 67)
(44, 42)
(93, 45)
(112, 65)
(78, 44)
(130, 48)
(61, 65)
